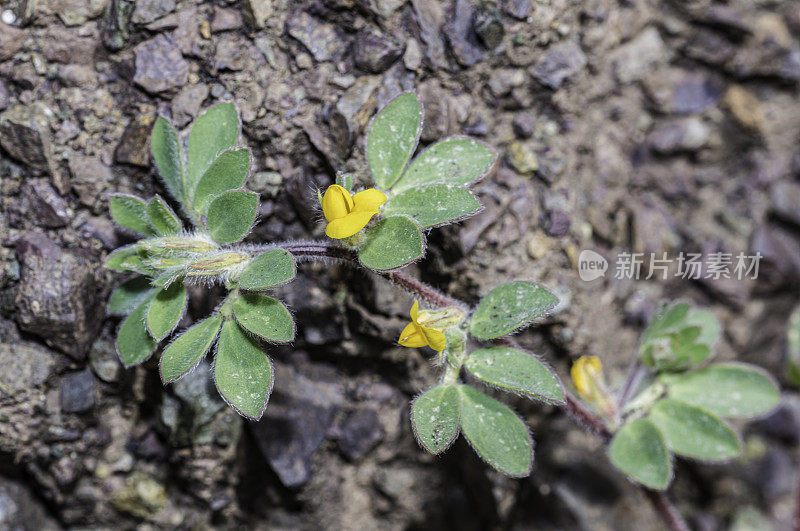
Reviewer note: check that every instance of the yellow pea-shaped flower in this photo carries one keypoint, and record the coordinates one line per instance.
(587, 375)
(347, 214)
(417, 335)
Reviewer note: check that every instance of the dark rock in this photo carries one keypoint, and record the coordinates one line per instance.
(519, 9)
(26, 366)
(489, 25)
(359, 433)
(780, 249)
(149, 10)
(374, 52)
(66, 46)
(461, 33)
(77, 392)
(257, 12)
(20, 511)
(556, 223)
(11, 41)
(711, 47)
(58, 296)
(561, 62)
(300, 414)
(118, 16)
(133, 148)
(321, 39)
(786, 201)
(25, 135)
(783, 423)
(46, 206)
(90, 178)
(352, 112)
(688, 134)
(430, 16)
(673, 90)
(104, 360)
(160, 65)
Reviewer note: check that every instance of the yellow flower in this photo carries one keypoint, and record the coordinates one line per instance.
(587, 372)
(348, 214)
(416, 335)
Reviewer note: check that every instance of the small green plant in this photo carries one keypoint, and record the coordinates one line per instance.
(681, 407)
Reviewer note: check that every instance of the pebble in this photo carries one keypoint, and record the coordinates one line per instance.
(461, 34)
(77, 392)
(359, 433)
(745, 108)
(147, 11)
(160, 65)
(319, 38)
(636, 58)
(561, 62)
(257, 12)
(373, 52)
(522, 158)
(687, 134)
(25, 135)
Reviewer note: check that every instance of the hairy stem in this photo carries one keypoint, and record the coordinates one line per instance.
(634, 375)
(666, 510)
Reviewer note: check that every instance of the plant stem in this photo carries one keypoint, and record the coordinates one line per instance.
(665, 508)
(634, 375)
(585, 416)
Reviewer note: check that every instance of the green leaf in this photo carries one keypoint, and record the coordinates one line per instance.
(166, 310)
(228, 172)
(639, 450)
(166, 150)
(392, 138)
(517, 371)
(213, 132)
(134, 344)
(162, 217)
(508, 307)
(732, 390)
(456, 161)
(496, 433)
(709, 328)
(793, 347)
(242, 372)
(679, 338)
(129, 295)
(693, 432)
(186, 351)
(231, 215)
(116, 259)
(391, 243)
(131, 212)
(667, 319)
(265, 317)
(435, 418)
(270, 269)
(433, 205)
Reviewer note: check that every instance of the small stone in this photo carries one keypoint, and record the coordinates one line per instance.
(745, 108)
(11, 41)
(104, 361)
(304, 61)
(561, 62)
(47, 207)
(226, 20)
(5, 95)
(634, 59)
(187, 104)
(25, 135)
(489, 25)
(504, 79)
(786, 201)
(673, 90)
(780, 250)
(75, 75)
(382, 8)
(90, 178)
(142, 496)
(231, 53)
(318, 37)
(187, 34)
(257, 12)
(689, 134)
(77, 392)
(556, 223)
(352, 112)
(359, 433)
(461, 34)
(160, 65)
(205, 29)
(373, 52)
(430, 17)
(412, 58)
(101, 229)
(77, 12)
(116, 32)
(539, 245)
(524, 125)
(133, 148)
(26, 366)
(148, 11)
(519, 9)
(522, 158)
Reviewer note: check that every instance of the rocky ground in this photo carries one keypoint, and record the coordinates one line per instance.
(639, 125)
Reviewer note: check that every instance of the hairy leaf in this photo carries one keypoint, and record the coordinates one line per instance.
(273, 267)
(134, 343)
(392, 138)
(456, 161)
(265, 317)
(129, 295)
(435, 418)
(639, 450)
(116, 260)
(496, 433)
(433, 205)
(231, 215)
(166, 150)
(166, 310)
(242, 372)
(693, 432)
(213, 132)
(163, 218)
(186, 351)
(391, 243)
(517, 371)
(508, 307)
(228, 172)
(131, 212)
(732, 390)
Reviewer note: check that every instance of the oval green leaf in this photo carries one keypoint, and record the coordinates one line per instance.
(435, 418)
(228, 172)
(693, 432)
(131, 212)
(457, 160)
(433, 205)
(392, 139)
(639, 450)
(166, 150)
(166, 310)
(186, 351)
(272, 268)
(242, 372)
(116, 259)
(231, 215)
(163, 218)
(496, 433)
(213, 132)
(391, 243)
(265, 317)
(732, 390)
(129, 295)
(517, 371)
(508, 307)
(134, 343)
